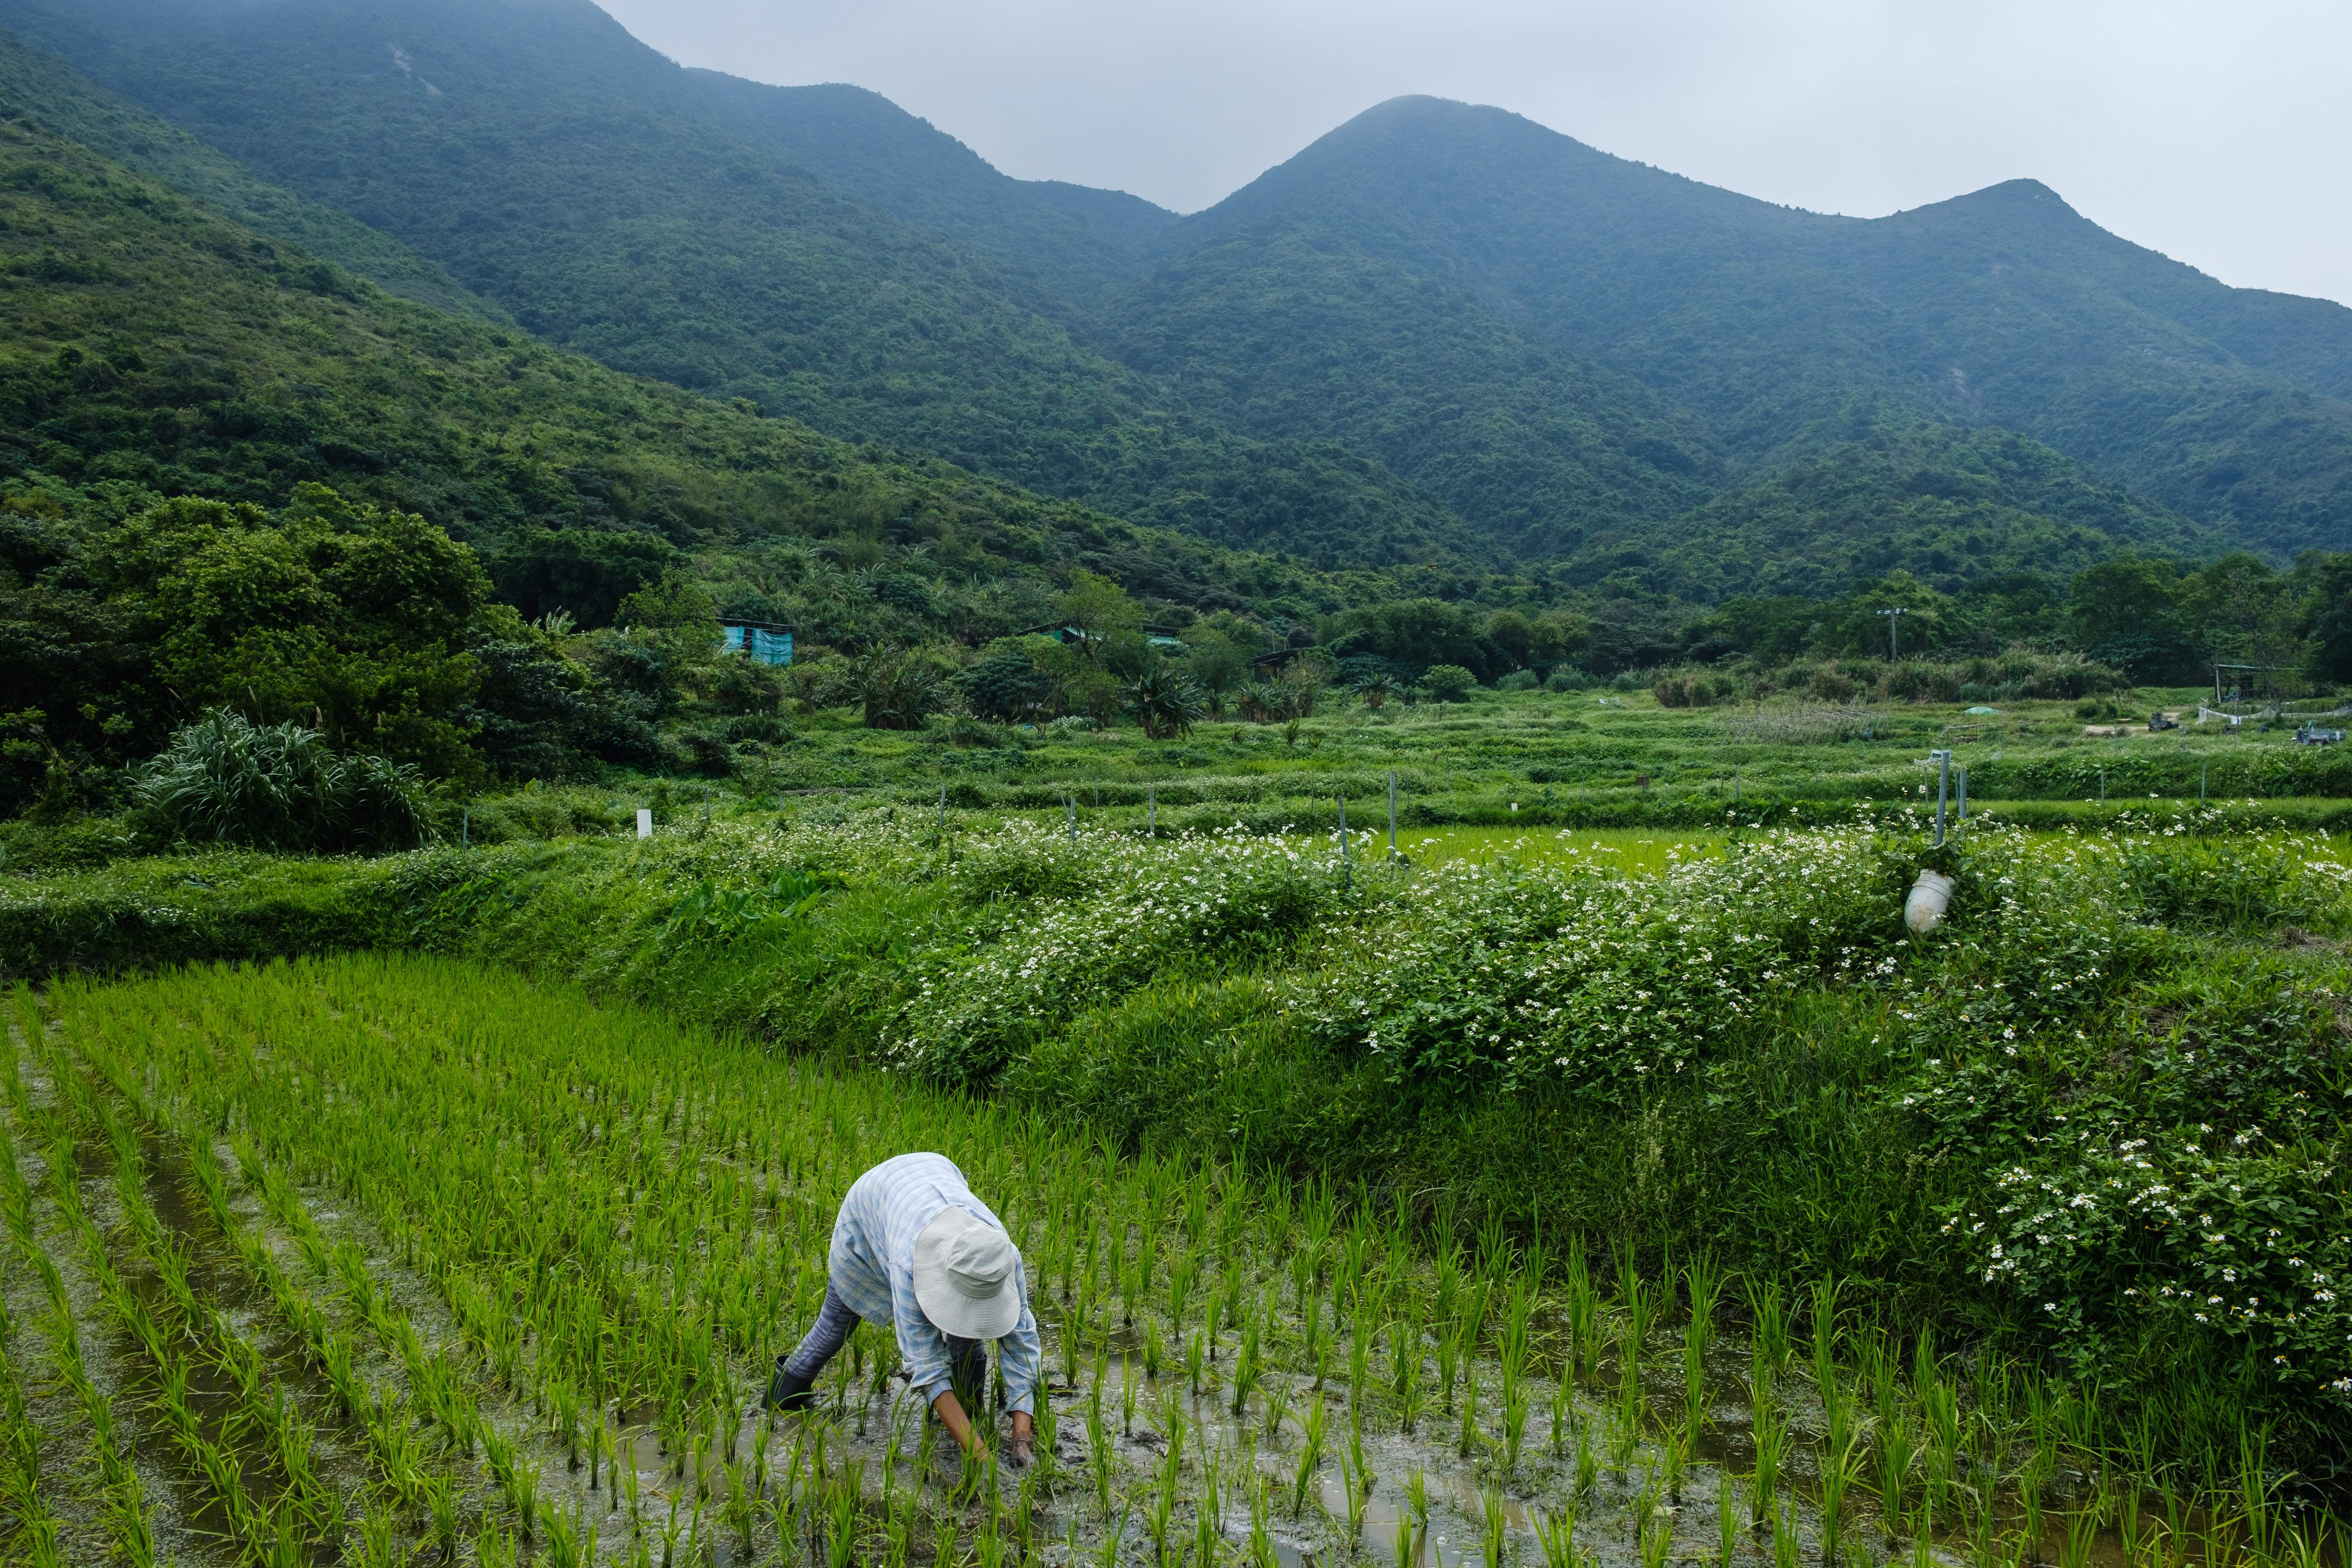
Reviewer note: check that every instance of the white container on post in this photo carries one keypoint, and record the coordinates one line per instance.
(645, 822)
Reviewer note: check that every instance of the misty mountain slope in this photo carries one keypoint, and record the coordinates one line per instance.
(1953, 506)
(1774, 325)
(37, 83)
(559, 167)
(1064, 248)
(1297, 334)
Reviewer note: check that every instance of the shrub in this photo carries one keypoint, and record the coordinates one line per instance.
(1568, 677)
(1164, 702)
(1448, 683)
(1520, 680)
(1684, 692)
(224, 780)
(897, 688)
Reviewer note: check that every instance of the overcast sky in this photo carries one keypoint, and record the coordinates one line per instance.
(2218, 134)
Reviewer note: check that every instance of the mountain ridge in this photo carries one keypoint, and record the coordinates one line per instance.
(1441, 330)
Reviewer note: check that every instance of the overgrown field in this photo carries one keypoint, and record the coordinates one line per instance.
(1581, 759)
(402, 1259)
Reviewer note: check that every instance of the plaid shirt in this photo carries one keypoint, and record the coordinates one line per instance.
(872, 1266)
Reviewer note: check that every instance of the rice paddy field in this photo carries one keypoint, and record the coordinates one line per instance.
(402, 1259)
(1609, 1177)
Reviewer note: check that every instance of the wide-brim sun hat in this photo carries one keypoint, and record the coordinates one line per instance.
(964, 1276)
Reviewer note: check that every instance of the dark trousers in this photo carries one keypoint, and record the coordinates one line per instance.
(967, 1359)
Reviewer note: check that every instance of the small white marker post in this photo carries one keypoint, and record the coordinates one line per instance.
(645, 822)
(1150, 811)
(1347, 861)
(1392, 853)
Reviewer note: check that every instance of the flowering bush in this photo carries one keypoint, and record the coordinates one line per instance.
(1582, 975)
(1130, 909)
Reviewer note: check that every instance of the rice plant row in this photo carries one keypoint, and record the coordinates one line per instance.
(612, 1223)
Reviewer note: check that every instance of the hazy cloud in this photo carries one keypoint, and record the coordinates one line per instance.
(2215, 132)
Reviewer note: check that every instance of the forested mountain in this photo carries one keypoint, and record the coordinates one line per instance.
(1773, 327)
(1440, 333)
(231, 472)
(559, 168)
(1955, 508)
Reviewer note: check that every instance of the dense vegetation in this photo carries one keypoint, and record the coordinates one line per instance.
(1440, 331)
(381, 483)
(666, 245)
(1775, 332)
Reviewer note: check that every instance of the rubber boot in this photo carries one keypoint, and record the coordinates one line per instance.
(786, 1392)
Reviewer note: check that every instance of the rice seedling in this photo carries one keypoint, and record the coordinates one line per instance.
(1357, 1479)
(1769, 1434)
(1247, 1366)
(1404, 1542)
(1471, 1437)
(1561, 1409)
(1893, 1456)
(1310, 1454)
(1769, 1317)
(1515, 1424)
(1788, 1546)
(1556, 1534)
(1840, 1466)
(1588, 1461)
(1657, 1542)
(1727, 1520)
(1497, 1526)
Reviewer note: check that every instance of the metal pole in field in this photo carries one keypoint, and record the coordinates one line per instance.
(466, 828)
(1347, 860)
(1943, 790)
(1151, 810)
(1071, 803)
(1393, 853)
(2201, 767)
(943, 809)
(1964, 794)
(2103, 786)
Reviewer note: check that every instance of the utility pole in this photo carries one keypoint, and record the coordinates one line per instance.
(1894, 619)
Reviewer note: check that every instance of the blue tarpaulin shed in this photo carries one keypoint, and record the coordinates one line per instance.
(769, 645)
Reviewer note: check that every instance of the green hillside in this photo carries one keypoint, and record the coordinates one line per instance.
(34, 83)
(563, 170)
(1772, 326)
(1955, 508)
(151, 349)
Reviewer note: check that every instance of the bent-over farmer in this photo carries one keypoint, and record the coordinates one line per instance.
(914, 1249)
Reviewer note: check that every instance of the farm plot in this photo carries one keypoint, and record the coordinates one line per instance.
(390, 1259)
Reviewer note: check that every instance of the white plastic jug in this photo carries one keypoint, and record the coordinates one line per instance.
(1931, 895)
